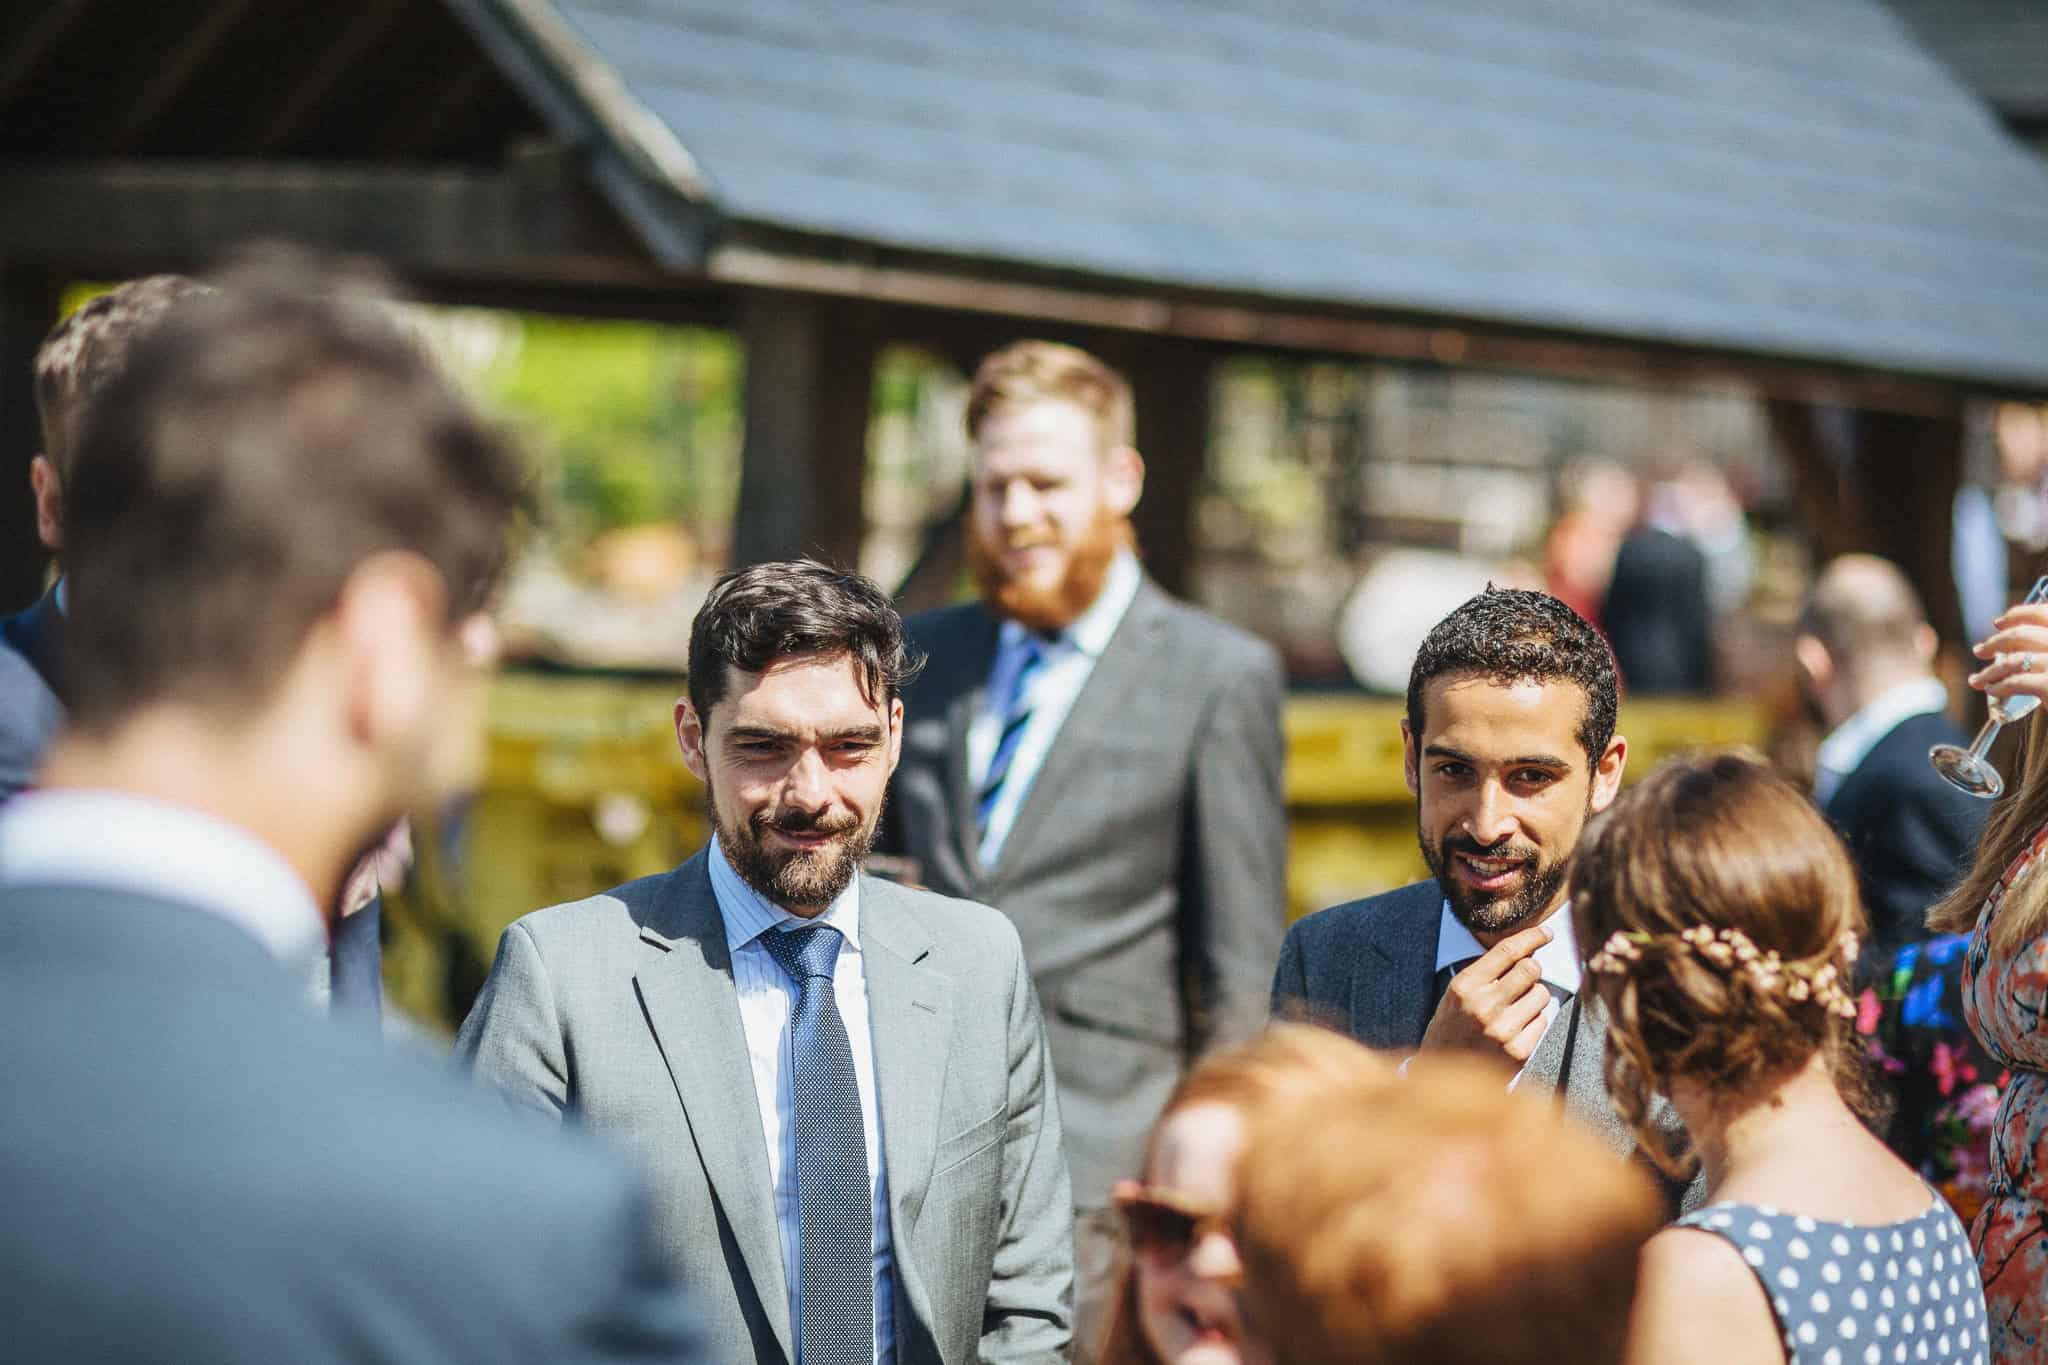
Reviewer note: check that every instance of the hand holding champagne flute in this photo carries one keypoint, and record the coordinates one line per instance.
(2013, 683)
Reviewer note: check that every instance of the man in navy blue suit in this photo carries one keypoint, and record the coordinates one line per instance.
(285, 525)
(1866, 659)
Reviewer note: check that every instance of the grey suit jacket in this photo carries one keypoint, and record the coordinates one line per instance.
(1368, 968)
(198, 1168)
(621, 1010)
(1146, 870)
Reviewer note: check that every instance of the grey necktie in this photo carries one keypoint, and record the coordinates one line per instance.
(835, 1221)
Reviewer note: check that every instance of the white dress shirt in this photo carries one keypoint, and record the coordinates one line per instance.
(1069, 660)
(71, 837)
(1558, 960)
(767, 997)
(1849, 743)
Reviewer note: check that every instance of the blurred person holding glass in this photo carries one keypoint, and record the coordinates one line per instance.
(1723, 919)
(2004, 907)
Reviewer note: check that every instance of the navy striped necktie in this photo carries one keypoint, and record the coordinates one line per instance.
(1016, 716)
(835, 1286)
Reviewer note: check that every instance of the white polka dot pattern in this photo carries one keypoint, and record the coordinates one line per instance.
(1922, 1303)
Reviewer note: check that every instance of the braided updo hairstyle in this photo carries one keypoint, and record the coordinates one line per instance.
(1721, 915)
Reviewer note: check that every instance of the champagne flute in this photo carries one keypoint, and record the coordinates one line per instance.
(1967, 770)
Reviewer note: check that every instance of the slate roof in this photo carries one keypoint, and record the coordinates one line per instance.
(1797, 180)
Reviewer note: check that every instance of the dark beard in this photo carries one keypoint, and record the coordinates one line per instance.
(1494, 915)
(1055, 608)
(793, 878)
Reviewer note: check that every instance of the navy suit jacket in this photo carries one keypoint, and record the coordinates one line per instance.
(30, 705)
(1368, 968)
(198, 1168)
(1912, 834)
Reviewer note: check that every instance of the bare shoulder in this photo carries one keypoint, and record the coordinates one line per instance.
(1698, 1301)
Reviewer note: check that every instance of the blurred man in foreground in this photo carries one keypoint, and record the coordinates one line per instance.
(1099, 762)
(1866, 659)
(78, 360)
(284, 526)
(839, 1085)
(1434, 1218)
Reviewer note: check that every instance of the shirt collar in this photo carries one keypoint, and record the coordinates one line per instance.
(1090, 632)
(122, 842)
(747, 914)
(1849, 743)
(1558, 959)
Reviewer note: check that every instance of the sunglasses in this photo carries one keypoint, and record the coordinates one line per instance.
(1164, 1225)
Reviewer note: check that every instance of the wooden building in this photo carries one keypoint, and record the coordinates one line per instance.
(1662, 192)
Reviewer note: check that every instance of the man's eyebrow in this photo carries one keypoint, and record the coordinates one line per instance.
(1440, 750)
(871, 733)
(759, 732)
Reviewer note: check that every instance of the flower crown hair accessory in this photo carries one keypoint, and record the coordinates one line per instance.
(1732, 950)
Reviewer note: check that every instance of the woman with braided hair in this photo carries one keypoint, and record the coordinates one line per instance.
(1723, 917)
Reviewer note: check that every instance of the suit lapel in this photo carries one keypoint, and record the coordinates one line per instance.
(1547, 1060)
(909, 1019)
(686, 987)
(1393, 986)
(978, 656)
(1101, 707)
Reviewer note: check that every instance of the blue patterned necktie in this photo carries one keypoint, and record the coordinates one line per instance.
(1015, 717)
(835, 1220)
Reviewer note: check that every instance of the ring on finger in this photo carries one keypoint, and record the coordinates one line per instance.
(2026, 663)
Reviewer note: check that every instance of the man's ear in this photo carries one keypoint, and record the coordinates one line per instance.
(895, 732)
(49, 494)
(1411, 762)
(1817, 663)
(390, 621)
(690, 739)
(1607, 773)
(1123, 480)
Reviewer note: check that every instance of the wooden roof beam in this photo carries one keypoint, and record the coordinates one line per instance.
(537, 218)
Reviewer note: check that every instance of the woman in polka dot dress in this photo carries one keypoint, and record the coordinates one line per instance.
(2003, 905)
(1724, 920)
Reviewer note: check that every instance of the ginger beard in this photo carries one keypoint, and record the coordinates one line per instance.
(796, 878)
(1053, 608)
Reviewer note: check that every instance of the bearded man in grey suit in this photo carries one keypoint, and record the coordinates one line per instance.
(1509, 747)
(838, 1086)
(1101, 763)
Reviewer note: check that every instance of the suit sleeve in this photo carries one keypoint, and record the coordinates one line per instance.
(512, 1039)
(1290, 978)
(1029, 1311)
(1234, 878)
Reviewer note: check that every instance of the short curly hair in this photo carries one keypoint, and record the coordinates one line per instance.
(761, 613)
(1720, 843)
(1514, 635)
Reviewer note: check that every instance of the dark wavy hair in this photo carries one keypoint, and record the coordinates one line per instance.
(1511, 635)
(764, 612)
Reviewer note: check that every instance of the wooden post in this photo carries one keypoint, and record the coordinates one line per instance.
(1170, 387)
(28, 307)
(1884, 483)
(810, 375)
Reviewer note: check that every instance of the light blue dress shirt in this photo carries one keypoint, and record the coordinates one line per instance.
(1069, 660)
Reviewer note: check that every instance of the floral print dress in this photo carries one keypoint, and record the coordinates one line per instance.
(2004, 997)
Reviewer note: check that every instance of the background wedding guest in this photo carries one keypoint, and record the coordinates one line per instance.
(2005, 999)
(1173, 1301)
(1723, 920)
(1099, 761)
(1434, 1217)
